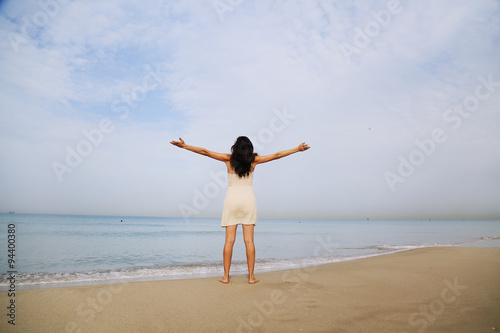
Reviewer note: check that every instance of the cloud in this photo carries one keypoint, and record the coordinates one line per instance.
(161, 70)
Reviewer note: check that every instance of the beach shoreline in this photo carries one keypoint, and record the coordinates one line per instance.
(262, 269)
(241, 269)
(436, 289)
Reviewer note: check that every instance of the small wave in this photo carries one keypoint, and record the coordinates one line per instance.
(49, 280)
(489, 238)
(401, 247)
(481, 241)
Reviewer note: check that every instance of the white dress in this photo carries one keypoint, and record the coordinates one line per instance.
(239, 206)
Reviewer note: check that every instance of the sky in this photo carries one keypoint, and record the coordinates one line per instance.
(399, 101)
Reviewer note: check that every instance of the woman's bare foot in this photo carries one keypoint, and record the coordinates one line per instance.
(253, 281)
(224, 280)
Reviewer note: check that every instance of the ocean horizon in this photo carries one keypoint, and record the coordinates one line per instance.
(66, 250)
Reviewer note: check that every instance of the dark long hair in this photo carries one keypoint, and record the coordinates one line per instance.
(242, 156)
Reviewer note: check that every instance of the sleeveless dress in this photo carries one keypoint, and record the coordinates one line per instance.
(239, 206)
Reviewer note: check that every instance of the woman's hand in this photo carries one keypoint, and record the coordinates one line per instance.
(303, 146)
(179, 144)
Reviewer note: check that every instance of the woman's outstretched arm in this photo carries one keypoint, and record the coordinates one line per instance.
(268, 158)
(202, 151)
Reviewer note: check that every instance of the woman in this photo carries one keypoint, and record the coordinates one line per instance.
(239, 205)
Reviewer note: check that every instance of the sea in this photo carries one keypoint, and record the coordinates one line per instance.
(48, 251)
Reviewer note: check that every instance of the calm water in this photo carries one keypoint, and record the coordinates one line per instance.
(57, 250)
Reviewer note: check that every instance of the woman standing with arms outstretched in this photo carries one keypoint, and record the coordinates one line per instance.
(239, 205)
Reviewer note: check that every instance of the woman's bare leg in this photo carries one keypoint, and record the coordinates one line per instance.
(248, 237)
(227, 253)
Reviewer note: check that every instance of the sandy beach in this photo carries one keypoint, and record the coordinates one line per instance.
(446, 289)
